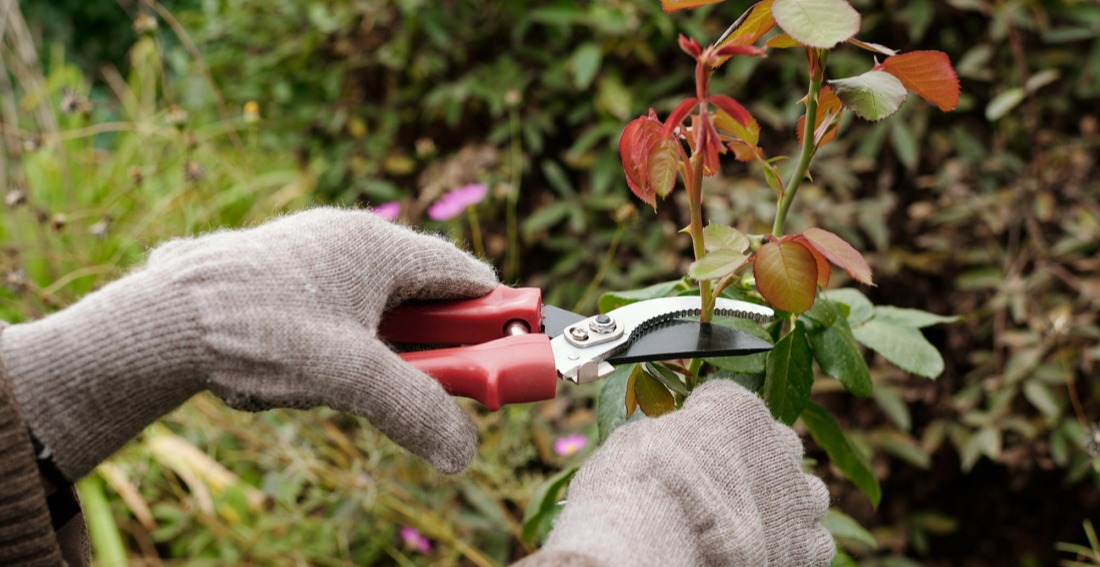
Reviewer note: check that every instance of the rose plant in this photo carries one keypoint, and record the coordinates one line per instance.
(788, 271)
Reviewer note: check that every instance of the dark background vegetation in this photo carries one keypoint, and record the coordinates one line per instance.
(989, 212)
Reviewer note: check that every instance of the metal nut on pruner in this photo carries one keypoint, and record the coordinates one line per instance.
(602, 324)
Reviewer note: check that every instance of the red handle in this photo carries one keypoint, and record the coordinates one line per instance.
(465, 321)
(512, 370)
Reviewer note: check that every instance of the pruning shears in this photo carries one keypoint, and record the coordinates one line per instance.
(515, 349)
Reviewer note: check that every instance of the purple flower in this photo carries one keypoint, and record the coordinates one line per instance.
(414, 540)
(388, 211)
(570, 445)
(452, 203)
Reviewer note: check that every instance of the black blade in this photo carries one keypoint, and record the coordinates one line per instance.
(689, 339)
(555, 320)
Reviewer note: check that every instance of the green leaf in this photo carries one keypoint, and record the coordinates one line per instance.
(611, 412)
(873, 95)
(653, 397)
(546, 217)
(670, 379)
(786, 275)
(838, 355)
(557, 178)
(911, 317)
(716, 265)
(823, 313)
(817, 23)
(895, 408)
(905, 144)
(1043, 399)
(842, 526)
(905, 347)
(789, 376)
(771, 176)
(584, 63)
(616, 299)
(842, 559)
(860, 309)
(903, 447)
(828, 435)
(1003, 103)
(987, 441)
(720, 236)
(544, 506)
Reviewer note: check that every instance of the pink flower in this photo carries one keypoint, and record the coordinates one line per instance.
(388, 211)
(452, 203)
(414, 540)
(570, 445)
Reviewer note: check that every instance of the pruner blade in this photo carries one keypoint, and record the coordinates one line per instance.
(654, 329)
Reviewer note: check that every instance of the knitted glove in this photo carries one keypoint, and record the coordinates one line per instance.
(281, 315)
(717, 483)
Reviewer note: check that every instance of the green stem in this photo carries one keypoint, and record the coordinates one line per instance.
(608, 258)
(475, 231)
(102, 530)
(511, 270)
(808, 149)
(695, 203)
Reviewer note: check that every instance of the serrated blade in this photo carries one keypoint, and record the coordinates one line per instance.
(582, 351)
(689, 339)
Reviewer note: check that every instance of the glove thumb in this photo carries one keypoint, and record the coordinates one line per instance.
(358, 374)
(436, 269)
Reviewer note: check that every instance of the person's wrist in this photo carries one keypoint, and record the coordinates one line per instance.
(625, 506)
(90, 377)
(601, 527)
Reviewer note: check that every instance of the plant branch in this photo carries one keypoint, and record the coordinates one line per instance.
(695, 202)
(511, 262)
(605, 265)
(808, 146)
(189, 45)
(475, 231)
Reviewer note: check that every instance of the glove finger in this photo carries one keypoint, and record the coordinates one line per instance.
(814, 540)
(722, 393)
(436, 269)
(819, 495)
(170, 250)
(408, 406)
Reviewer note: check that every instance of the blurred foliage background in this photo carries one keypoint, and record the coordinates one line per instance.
(124, 124)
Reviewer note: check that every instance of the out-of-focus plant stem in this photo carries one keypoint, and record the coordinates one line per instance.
(605, 265)
(511, 263)
(808, 148)
(475, 231)
(102, 529)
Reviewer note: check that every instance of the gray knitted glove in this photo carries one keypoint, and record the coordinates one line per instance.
(281, 315)
(717, 483)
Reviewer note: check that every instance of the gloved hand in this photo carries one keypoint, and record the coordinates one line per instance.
(281, 315)
(717, 483)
